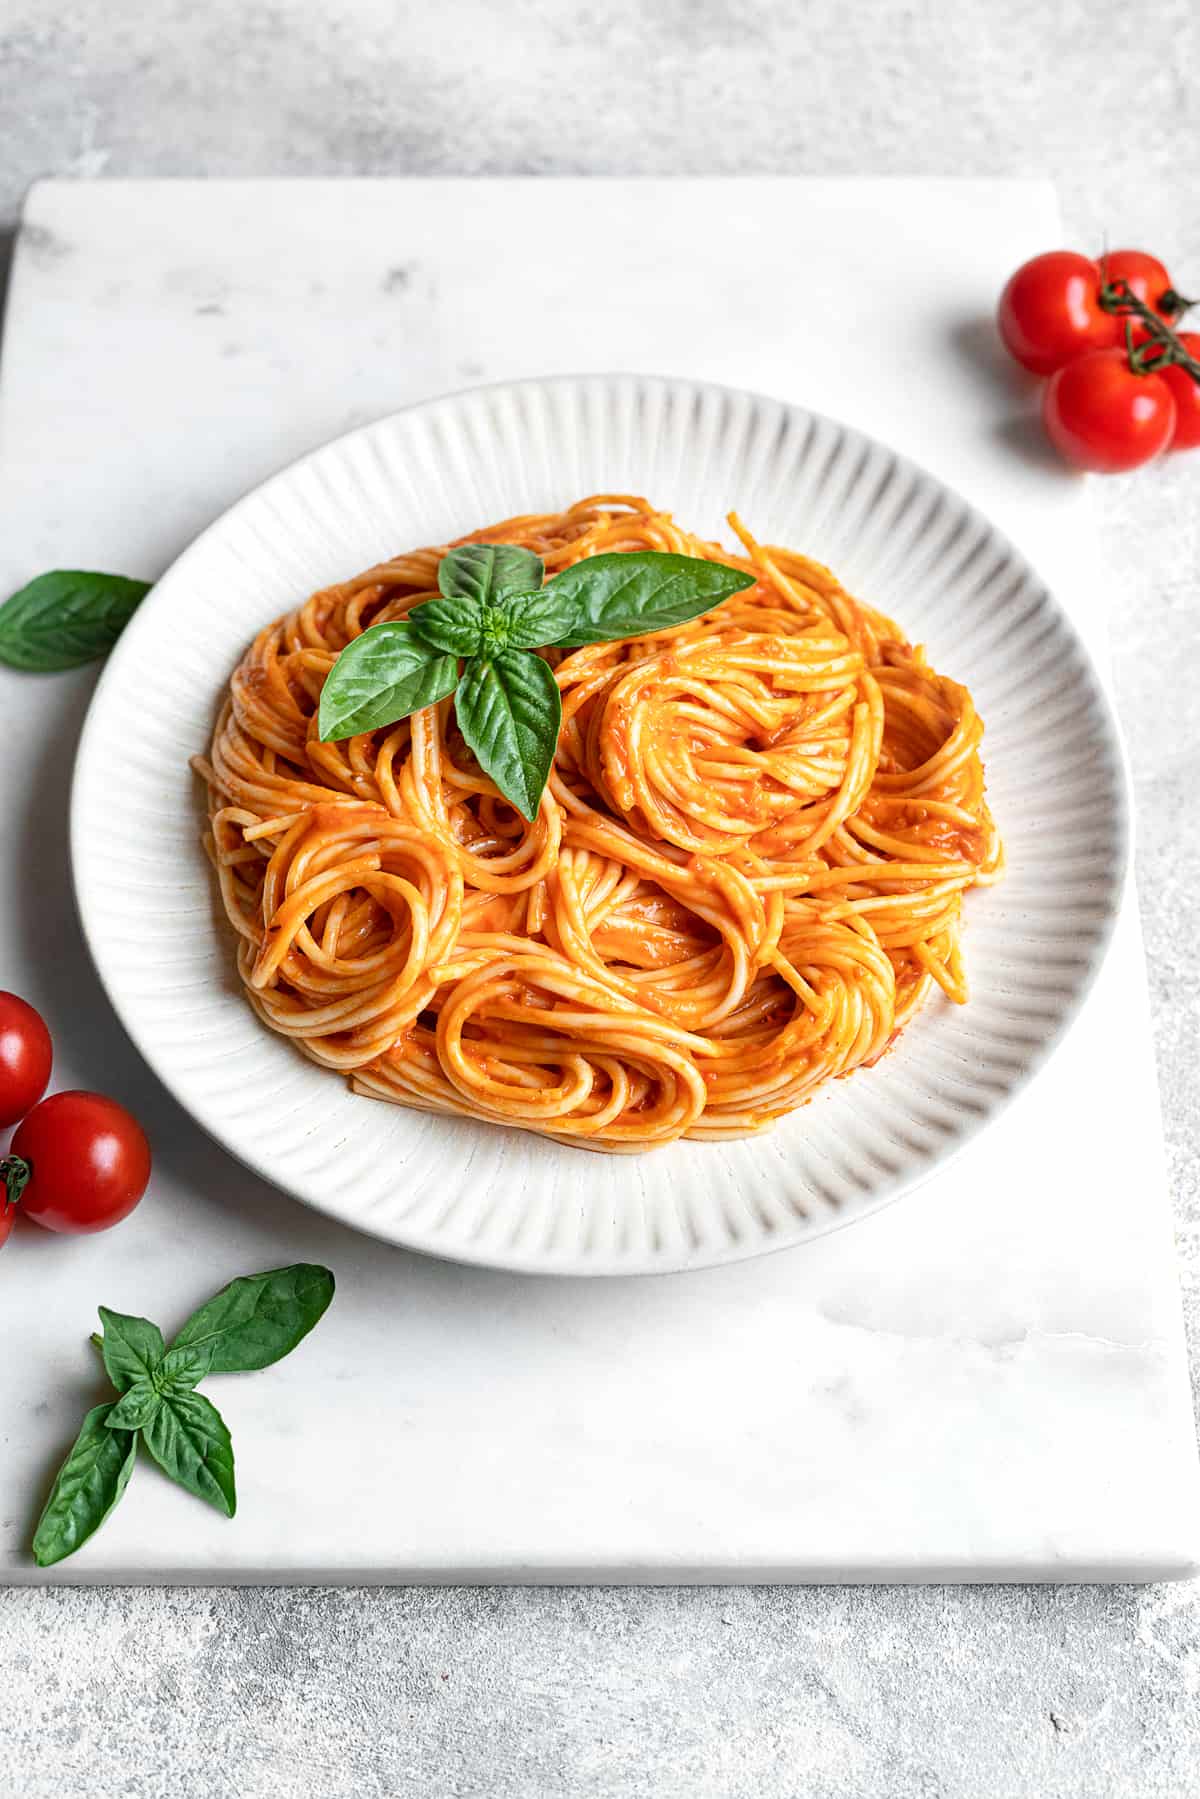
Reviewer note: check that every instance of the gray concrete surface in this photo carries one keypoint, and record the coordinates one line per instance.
(837, 1694)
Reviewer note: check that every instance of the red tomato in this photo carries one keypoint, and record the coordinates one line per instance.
(25, 1058)
(88, 1161)
(1050, 312)
(1146, 276)
(1186, 391)
(7, 1214)
(1101, 415)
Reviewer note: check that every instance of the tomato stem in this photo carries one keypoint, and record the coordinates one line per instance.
(14, 1178)
(1162, 349)
(1174, 304)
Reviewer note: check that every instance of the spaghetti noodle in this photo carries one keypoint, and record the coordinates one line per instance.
(745, 876)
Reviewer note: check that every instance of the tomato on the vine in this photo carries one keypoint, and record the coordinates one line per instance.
(78, 1162)
(1050, 311)
(1101, 414)
(1145, 276)
(1186, 391)
(25, 1058)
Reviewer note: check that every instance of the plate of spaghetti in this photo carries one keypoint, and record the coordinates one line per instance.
(758, 829)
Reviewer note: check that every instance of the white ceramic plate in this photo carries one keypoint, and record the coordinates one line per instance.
(457, 1188)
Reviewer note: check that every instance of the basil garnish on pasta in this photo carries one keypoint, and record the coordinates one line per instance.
(628, 595)
(488, 571)
(383, 675)
(509, 709)
(494, 613)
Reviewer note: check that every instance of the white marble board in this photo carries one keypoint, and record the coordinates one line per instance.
(986, 1381)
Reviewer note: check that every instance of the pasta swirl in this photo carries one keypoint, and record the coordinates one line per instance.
(745, 876)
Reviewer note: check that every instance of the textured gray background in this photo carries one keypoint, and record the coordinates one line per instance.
(833, 1693)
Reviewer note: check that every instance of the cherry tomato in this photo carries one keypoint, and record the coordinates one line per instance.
(25, 1058)
(1050, 312)
(1146, 275)
(88, 1161)
(7, 1214)
(1186, 391)
(1101, 415)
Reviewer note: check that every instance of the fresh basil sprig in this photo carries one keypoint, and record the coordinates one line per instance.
(248, 1325)
(493, 611)
(66, 618)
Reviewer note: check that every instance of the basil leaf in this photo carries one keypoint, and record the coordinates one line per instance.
(188, 1439)
(135, 1407)
(65, 618)
(509, 710)
(132, 1348)
(524, 621)
(529, 621)
(380, 677)
(184, 1367)
(454, 626)
(258, 1319)
(486, 571)
(627, 594)
(88, 1486)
